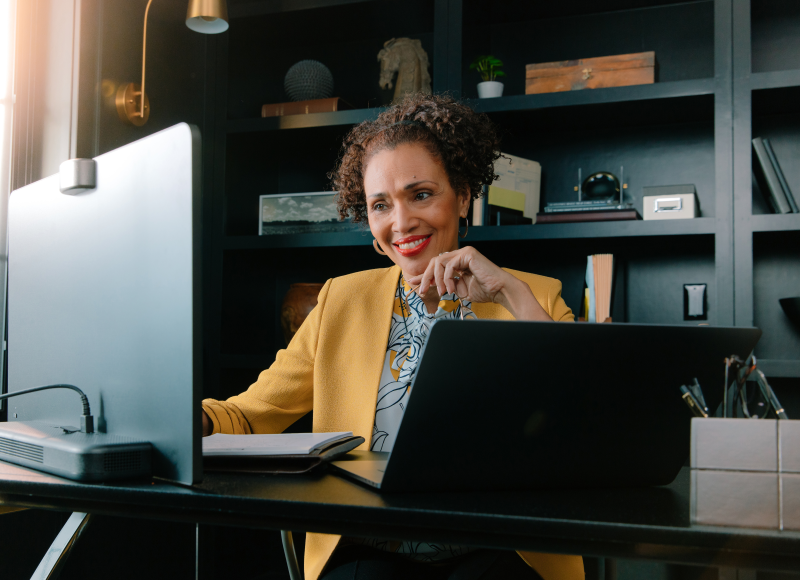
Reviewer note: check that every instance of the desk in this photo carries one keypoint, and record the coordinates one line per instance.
(648, 523)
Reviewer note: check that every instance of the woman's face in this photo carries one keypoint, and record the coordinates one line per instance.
(412, 209)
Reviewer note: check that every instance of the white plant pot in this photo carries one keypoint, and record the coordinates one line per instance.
(489, 89)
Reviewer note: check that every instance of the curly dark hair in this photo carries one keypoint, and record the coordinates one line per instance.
(464, 141)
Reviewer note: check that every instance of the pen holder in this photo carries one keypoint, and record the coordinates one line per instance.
(746, 472)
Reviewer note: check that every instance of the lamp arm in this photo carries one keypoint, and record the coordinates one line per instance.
(144, 56)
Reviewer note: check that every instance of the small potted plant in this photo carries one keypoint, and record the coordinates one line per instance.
(489, 69)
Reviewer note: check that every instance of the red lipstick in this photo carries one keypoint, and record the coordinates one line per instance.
(414, 250)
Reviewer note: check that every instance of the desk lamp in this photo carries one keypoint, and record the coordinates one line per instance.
(203, 16)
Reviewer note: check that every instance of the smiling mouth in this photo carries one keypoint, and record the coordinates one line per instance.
(412, 245)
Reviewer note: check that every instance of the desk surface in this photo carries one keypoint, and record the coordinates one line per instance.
(650, 523)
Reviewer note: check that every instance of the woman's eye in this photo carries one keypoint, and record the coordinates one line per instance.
(423, 195)
(379, 207)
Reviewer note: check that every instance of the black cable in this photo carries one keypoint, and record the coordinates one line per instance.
(87, 422)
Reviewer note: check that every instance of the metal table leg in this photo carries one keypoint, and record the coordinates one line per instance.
(59, 551)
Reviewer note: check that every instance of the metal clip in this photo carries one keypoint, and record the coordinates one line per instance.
(669, 204)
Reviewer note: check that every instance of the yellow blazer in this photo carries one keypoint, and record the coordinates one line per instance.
(333, 366)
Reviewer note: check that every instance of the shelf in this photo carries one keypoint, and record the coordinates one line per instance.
(639, 228)
(669, 90)
(779, 368)
(351, 117)
(510, 104)
(787, 222)
(775, 79)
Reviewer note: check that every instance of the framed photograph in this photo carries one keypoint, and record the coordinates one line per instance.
(301, 213)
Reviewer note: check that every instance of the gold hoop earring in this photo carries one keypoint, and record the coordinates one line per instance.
(466, 229)
(378, 248)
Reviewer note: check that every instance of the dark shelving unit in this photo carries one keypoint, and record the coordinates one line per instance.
(726, 71)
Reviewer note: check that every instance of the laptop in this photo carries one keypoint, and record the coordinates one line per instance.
(513, 405)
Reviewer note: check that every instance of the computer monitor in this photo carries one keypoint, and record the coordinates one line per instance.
(104, 294)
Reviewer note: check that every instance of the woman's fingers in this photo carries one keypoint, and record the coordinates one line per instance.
(448, 275)
(423, 281)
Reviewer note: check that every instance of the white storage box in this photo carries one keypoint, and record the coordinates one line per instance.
(673, 202)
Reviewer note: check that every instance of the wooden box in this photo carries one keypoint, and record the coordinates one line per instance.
(591, 73)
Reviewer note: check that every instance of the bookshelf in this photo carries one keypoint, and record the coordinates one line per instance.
(766, 86)
(724, 73)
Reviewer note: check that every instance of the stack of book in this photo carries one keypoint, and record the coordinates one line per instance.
(598, 289)
(587, 211)
(770, 178)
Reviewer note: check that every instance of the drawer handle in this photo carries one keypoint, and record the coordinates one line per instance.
(587, 74)
(664, 204)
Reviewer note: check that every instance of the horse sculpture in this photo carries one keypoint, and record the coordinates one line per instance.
(405, 57)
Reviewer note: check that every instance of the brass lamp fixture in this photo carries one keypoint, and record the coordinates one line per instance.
(203, 16)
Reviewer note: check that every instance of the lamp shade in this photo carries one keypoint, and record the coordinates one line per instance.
(207, 16)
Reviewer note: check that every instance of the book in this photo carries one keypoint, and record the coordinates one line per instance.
(769, 183)
(330, 105)
(598, 289)
(594, 207)
(781, 178)
(281, 453)
(588, 216)
(591, 309)
(603, 266)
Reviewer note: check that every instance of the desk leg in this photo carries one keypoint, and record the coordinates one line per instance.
(61, 547)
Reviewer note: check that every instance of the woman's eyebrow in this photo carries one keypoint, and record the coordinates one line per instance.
(416, 183)
(379, 194)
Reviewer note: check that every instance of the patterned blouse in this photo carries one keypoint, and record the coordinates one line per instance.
(411, 324)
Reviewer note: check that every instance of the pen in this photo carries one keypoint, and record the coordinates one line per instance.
(692, 403)
(697, 391)
(769, 395)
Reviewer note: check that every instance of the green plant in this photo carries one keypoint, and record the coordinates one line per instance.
(488, 67)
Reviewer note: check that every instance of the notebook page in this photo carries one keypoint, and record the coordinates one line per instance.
(280, 444)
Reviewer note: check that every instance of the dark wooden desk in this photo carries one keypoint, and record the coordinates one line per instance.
(633, 523)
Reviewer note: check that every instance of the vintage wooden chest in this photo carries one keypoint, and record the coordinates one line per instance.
(591, 73)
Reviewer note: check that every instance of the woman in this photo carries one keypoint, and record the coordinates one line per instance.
(411, 174)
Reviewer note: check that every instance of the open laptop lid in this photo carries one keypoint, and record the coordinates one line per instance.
(499, 404)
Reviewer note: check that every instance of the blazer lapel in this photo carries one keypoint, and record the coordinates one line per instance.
(367, 341)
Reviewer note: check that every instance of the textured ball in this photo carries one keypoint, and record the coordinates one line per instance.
(308, 79)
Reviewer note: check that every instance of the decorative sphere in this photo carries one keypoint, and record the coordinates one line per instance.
(601, 184)
(308, 79)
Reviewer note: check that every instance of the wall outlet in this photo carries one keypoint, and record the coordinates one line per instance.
(695, 303)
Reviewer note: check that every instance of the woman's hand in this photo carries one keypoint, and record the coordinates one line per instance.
(471, 275)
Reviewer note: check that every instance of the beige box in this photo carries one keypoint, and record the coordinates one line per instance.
(670, 207)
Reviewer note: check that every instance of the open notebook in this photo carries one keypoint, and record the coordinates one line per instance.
(282, 453)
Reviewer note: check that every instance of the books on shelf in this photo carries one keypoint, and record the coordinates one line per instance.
(610, 215)
(569, 206)
(517, 188)
(599, 286)
(330, 105)
(770, 178)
